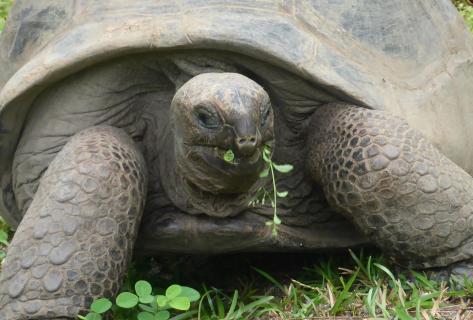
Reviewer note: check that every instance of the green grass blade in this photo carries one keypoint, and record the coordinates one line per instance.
(402, 314)
(253, 305)
(185, 315)
(220, 307)
(386, 270)
(232, 306)
(271, 279)
(344, 294)
(201, 302)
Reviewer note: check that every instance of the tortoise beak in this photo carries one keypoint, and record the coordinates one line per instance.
(247, 138)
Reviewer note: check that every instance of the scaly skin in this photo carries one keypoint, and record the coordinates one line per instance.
(76, 238)
(393, 184)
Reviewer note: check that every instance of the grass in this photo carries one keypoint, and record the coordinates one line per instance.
(4, 236)
(289, 286)
(264, 286)
(465, 7)
(4, 7)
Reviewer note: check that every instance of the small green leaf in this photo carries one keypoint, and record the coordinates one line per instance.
(146, 299)
(162, 315)
(153, 304)
(145, 316)
(229, 156)
(101, 305)
(93, 316)
(274, 231)
(162, 300)
(190, 293)
(283, 168)
(266, 157)
(145, 307)
(143, 288)
(269, 223)
(180, 303)
(276, 220)
(3, 237)
(81, 317)
(127, 300)
(264, 173)
(173, 291)
(282, 194)
(267, 150)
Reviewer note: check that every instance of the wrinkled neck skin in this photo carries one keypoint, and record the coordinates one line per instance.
(176, 172)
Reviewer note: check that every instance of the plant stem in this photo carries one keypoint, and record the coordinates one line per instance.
(275, 195)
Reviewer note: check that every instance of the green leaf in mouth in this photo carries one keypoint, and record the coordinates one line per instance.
(229, 156)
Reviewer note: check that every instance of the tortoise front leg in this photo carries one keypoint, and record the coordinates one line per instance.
(393, 184)
(76, 238)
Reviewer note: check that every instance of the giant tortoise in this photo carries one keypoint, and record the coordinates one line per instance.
(117, 116)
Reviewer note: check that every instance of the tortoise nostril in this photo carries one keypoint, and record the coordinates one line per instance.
(246, 141)
(246, 146)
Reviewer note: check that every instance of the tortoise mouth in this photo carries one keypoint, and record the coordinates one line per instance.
(208, 184)
(215, 158)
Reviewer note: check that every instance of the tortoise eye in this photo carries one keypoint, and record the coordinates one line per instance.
(206, 118)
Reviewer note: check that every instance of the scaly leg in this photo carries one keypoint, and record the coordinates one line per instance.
(394, 185)
(76, 238)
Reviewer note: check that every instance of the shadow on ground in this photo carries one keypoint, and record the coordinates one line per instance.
(237, 271)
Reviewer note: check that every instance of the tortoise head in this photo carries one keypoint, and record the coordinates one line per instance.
(221, 123)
